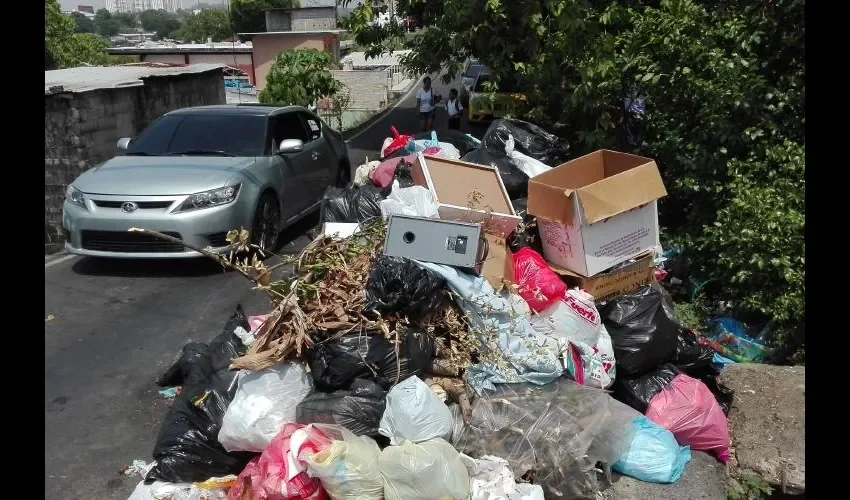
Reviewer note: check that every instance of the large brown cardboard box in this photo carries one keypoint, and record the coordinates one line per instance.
(498, 265)
(597, 211)
(608, 284)
(452, 183)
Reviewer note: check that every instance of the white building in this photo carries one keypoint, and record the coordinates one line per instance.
(116, 6)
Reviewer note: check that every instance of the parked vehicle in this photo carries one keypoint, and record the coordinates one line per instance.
(197, 173)
(468, 77)
(486, 105)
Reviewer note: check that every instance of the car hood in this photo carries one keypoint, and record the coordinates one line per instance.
(160, 175)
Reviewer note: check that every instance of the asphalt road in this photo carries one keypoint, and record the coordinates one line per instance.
(117, 325)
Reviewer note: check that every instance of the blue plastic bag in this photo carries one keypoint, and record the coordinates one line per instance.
(419, 145)
(654, 455)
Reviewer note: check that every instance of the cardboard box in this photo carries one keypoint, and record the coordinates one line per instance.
(597, 211)
(498, 264)
(453, 182)
(609, 284)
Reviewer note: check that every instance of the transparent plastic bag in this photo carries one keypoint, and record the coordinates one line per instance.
(552, 435)
(264, 402)
(416, 201)
(348, 468)
(415, 413)
(423, 471)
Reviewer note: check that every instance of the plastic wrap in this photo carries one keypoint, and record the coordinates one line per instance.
(264, 402)
(501, 324)
(643, 328)
(415, 201)
(351, 204)
(423, 471)
(728, 336)
(687, 408)
(396, 285)
(514, 179)
(530, 140)
(553, 434)
(527, 164)
(491, 478)
(638, 391)
(348, 468)
(654, 455)
(280, 472)
(415, 413)
(359, 410)
(538, 283)
(187, 447)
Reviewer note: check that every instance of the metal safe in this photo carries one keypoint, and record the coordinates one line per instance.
(439, 241)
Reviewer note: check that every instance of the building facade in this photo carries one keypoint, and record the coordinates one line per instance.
(116, 6)
(234, 55)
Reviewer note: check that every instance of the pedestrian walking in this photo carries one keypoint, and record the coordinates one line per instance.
(426, 102)
(454, 109)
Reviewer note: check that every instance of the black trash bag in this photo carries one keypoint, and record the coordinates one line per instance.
(692, 357)
(722, 394)
(351, 204)
(358, 410)
(637, 392)
(398, 286)
(514, 179)
(187, 447)
(403, 174)
(643, 329)
(334, 365)
(529, 139)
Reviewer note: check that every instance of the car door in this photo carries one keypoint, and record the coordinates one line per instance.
(323, 161)
(296, 168)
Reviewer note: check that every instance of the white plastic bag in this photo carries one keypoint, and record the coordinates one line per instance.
(361, 175)
(416, 201)
(423, 471)
(527, 164)
(491, 479)
(159, 490)
(449, 151)
(415, 413)
(348, 468)
(264, 402)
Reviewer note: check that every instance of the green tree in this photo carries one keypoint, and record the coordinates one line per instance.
(126, 20)
(105, 24)
(163, 23)
(300, 77)
(249, 15)
(208, 23)
(83, 23)
(63, 47)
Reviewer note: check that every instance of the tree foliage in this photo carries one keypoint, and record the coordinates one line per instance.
(723, 87)
(63, 48)
(82, 23)
(105, 24)
(249, 15)
(208, 23)
(300, 77)
(162, 22)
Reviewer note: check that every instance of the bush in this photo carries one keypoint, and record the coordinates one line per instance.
(300, 77)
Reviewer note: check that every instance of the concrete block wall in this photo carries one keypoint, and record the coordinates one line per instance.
(313, 19)
(368, 88)
(81, 130)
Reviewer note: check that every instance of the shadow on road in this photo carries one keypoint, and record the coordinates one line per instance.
(293, 241)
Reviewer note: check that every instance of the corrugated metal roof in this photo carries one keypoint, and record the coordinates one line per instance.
(88, 78)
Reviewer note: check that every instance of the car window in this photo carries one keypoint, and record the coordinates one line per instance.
(314, 127)
(289, 126)
(232, 134)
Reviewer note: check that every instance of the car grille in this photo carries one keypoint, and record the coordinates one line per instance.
(127, 242)
(141, 204)
(218, 240)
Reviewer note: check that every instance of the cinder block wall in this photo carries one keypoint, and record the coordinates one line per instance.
(81, 130)
(368, 88)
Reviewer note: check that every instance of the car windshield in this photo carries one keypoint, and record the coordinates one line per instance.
(504, 86)
(202, 134)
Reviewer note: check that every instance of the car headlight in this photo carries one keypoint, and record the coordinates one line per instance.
(207, 199)
(75, 196)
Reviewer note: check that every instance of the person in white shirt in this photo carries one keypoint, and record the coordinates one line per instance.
(426, 101)
(454, 108)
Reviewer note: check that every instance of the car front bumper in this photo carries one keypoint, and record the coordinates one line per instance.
(101, 229)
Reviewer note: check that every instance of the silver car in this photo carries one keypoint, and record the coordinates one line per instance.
(197, 173)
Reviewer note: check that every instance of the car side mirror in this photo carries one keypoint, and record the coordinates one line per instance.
(123, 144)
(290, 146)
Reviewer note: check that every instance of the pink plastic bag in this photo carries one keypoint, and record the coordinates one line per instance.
(687, 408)
(538, 284)
(256, 322)
(279, 473)
(383, 174)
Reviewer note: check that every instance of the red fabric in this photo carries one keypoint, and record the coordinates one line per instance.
(538, 284)
(687, 408)
(399, 141)
(264, 478)
(383, 174)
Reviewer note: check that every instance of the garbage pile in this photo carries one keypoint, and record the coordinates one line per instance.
(433, 342)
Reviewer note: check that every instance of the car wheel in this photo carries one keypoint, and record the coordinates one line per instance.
(343, 175)
(265, 232)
